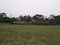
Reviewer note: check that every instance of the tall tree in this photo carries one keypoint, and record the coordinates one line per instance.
(38, 18)
(6, 20)
(21, 18)
(57, 19)
(51, 19)
(27, 18)
(2, 15)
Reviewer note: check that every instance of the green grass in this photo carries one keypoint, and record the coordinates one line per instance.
(29, 34)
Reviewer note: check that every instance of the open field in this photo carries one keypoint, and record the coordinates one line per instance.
(29, 35)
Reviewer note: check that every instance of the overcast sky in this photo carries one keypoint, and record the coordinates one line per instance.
(30, 7)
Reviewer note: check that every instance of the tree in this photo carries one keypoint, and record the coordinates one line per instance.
(38, 19)
(57, 19)
(6, 19)
(21, 18)
(12, 19)
(27, 18)
(46, 21)
(51, 19)
(51, 16)
(2, 15)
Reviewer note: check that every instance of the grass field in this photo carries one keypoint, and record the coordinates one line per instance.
(29, 35)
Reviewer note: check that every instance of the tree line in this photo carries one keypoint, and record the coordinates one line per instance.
(37, 19)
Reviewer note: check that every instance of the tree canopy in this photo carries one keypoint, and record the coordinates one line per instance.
(36, 19)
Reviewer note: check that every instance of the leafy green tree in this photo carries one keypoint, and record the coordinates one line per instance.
(6, 19)
(2, 15)
(38, 19)
(13, 19)
(21, 18)
(27, 18)
(57, 19)
(51, 19)
(46, 21)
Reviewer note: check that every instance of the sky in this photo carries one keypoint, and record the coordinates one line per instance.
(16, 8)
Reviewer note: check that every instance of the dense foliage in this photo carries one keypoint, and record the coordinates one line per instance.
(27, 19)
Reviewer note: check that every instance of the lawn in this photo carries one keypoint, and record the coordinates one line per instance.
(29, 34)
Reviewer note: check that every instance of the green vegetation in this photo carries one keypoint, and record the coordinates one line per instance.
(29, 35)
(37, 19)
